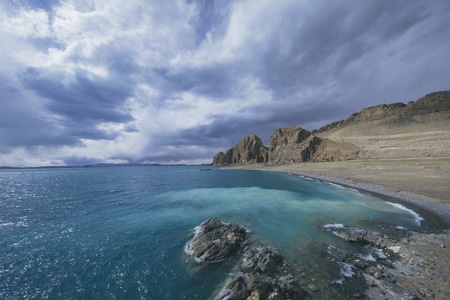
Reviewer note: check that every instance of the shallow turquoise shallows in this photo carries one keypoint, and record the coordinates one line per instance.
(119, 232)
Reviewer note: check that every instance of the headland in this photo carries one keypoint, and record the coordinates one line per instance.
(401, 152)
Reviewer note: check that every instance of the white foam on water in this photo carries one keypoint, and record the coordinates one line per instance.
(347, 270)
(417, 217)
(7, 224)
(335, 185)
(368, 257)
(333, 226)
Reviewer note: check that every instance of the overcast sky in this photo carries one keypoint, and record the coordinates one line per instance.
(89, 81)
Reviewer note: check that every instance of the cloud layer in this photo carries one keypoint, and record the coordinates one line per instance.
(177, 81)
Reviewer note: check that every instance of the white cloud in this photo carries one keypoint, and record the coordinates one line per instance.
(26, 24)
(157, 80)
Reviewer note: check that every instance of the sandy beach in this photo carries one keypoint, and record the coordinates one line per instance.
(422, 184)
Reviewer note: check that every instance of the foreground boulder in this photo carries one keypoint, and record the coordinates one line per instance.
(215, 240)
(262, 273)
(266, 277)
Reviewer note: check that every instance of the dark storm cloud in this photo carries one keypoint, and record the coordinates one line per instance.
(21, 125)
(83, 99)
(331, 38)
(82, 103)
(157, 82)
(211, 17)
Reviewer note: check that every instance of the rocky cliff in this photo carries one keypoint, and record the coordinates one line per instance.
(290, 144)
(398, 130)
(287, 145)
(250, 149)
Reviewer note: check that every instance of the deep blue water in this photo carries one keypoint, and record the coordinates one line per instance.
(119, 232)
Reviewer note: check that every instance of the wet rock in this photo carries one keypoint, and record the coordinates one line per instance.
(395, 249)
(266, 277)
(235, 290)
(352, 234)
(215, 240)
(263, 260)
(395, 267)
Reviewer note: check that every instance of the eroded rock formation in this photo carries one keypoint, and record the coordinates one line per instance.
(291, 144)
(250, 149)
(287, 145)
(395, 130)
(215, 240)
(262, 273)
(265, 275)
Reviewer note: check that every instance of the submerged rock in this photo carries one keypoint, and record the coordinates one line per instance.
(385, 267)
(352, 234)
(215, 240)
(263, 272)
(266, 277)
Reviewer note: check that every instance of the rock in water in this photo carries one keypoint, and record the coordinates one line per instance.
(215, 240)
(266, 277)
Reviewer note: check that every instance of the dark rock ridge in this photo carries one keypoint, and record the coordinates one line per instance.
(379, 268)
(263, 272)
(397, 112)
(250, 149)
(287, 145)
(265, 275)
(215, 240)
(294, 144)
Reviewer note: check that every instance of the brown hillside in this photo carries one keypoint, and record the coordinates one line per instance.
(418, 129)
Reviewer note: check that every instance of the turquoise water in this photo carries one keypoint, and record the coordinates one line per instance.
(119, 232)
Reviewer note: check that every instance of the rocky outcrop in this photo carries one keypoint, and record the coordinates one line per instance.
(431, 103)
(262, 273)
(381, 131)
(294, 144)
(396, 113)
(265, 275)
(391, 267)
(215, 240)
(287, 145)
(291, 144)
(250, 149)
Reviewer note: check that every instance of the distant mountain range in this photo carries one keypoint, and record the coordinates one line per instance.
(398, 130)
(97, 165)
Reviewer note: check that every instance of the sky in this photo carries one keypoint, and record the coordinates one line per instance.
(177, 81)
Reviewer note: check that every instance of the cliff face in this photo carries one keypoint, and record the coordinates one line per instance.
(250, 149)
(287, 145)
(395, 130)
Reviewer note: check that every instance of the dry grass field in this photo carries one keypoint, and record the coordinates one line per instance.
(422, 137)
(427, 178)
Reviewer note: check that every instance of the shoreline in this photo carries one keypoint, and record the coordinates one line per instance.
(436, 212)
(435, 215)
(420, 265)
